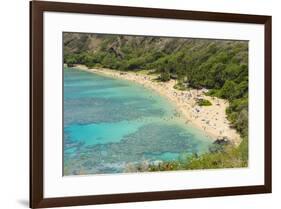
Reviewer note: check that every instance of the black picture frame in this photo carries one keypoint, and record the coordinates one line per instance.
(37, 8)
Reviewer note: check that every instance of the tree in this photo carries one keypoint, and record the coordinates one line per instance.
(165, 76)
(228, 90)
(241, 124)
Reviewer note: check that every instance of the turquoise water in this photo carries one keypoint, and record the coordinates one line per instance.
(111, 124)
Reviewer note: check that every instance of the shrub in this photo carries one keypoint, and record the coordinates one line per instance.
(165, 76)
(180, 86)
(204, 102)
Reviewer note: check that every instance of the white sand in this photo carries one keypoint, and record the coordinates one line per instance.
(212, 119)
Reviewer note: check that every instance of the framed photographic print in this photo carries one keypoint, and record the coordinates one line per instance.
(138, 104)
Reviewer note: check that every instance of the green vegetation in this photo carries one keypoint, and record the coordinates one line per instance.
(227, 157)
(204, 102)
(220, 66)
(165, 76)
(180, 86)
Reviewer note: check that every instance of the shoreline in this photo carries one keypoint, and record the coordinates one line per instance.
(210, 119)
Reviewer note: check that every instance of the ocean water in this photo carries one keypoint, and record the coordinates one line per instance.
(111, 125)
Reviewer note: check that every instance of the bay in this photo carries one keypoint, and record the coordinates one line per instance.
(112, 124)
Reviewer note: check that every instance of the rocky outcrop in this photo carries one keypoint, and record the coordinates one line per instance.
(222, 141)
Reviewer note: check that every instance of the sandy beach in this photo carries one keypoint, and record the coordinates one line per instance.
(211, 119)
